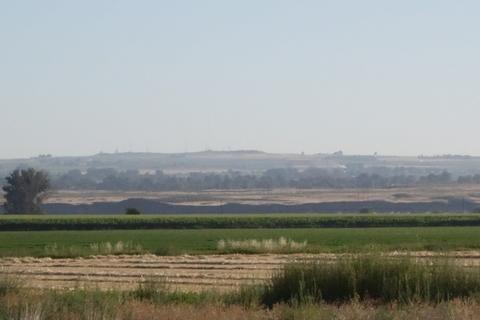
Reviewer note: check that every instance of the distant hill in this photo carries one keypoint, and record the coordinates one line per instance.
(251, 161)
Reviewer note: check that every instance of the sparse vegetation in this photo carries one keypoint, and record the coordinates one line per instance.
(281, 244)
(103, 248)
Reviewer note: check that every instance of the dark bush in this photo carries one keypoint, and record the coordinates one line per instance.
(132, 211)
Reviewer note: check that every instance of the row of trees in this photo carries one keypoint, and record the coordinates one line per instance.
(26, 189)
(110, 179)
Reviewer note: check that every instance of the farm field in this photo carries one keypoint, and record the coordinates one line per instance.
(100, 263)
(185, 273)
(221, 273)
(280, 196)
(232, 221)
(205, 241)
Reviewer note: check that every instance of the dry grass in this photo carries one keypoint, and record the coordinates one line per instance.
(91, 307)
(103, 248)
(141, 310)
(456, 310)
(152, 300)
(281, 244)
(118, 247)
(182, 272)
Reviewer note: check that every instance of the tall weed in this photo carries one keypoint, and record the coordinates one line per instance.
(371, 278)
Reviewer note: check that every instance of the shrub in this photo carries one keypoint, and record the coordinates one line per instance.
(132, 211)
(371, 278)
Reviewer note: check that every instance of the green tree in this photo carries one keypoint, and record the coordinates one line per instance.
(25, 190)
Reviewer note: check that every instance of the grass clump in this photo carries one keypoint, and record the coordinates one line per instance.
(102, 248)
(82, 304)
(118, 247)
(151, 289)
(281, 244)
(371, 278)
(245, 296)
(156, 291)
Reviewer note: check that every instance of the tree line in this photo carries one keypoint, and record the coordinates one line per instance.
(24, 190)
(110, 179)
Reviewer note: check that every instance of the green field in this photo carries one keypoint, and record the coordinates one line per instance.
(199, 234)
(225, 221)
(203, 241)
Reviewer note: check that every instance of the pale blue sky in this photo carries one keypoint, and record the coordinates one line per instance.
(394, 77)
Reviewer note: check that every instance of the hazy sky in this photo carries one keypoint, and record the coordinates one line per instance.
(393, 77)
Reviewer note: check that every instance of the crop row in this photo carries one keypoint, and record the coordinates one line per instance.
(18, 223)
